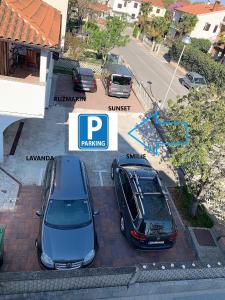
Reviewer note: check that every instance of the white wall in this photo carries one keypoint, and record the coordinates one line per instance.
(19, 98)
(214, 19)
(128, 9)
(154, 12)
(61, 5)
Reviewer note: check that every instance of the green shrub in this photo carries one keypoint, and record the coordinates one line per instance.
(136, 31)
(201, 44)
(195, 60)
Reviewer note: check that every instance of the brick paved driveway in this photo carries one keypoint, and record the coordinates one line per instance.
(22, 229)
(94, 101)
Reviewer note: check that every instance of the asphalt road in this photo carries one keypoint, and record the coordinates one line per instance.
(154, 68)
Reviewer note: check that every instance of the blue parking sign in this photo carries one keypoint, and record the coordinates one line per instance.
(93, 131)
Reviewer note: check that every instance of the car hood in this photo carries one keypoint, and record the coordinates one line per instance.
(67, 244)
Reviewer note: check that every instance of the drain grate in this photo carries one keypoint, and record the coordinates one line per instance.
(204, 237)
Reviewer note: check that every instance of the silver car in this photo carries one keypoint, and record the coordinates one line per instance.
(193, 80)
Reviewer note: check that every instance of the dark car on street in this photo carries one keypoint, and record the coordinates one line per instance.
(84, 80)
(145, 216)
(67, 238)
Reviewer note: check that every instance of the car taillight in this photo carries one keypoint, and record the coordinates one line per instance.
(173, 237)
(138, 236)
(94, 82)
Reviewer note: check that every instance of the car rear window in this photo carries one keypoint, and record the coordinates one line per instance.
(68, 213)
(156, 216)
(87, 77)
(121, 80)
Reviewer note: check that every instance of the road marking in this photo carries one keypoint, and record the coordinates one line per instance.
(41, 177)
(100, 176)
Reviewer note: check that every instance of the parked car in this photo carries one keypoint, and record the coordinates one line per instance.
(84, 80)
(193, 80)
(67, 238)
(112, 58)
(117, 80)
(145, 216)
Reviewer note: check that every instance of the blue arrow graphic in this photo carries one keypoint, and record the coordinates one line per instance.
(156, 143)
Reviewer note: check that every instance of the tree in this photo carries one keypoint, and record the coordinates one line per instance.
(74, 45)
(146, 8)
(105, 39)
(78, 10)
(203, 159)
(186, 24)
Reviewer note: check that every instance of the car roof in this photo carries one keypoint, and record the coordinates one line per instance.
(69, 180)
(141, 179)
(118, 69)
(85, 71)
(195, 75)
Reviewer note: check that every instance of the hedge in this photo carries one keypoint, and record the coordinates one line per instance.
(195, 60)
(202, 44)
(136, 31)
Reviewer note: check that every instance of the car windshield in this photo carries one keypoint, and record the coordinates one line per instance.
(68, 213)
(200, 80)
(121, 80)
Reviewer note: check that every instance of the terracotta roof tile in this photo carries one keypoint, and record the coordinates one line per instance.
(30, 22)
(98, 7)
(201, 8)
(158, 3)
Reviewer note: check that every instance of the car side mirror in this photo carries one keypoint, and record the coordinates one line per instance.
(38, 213)
(96, 213)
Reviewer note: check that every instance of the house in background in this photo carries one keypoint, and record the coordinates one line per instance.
(31, 34)
(210, 20)
(98, 12)
(158, 8)
(126, 9)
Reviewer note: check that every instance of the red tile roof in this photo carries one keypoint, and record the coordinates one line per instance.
(98, 7)
(158, 3)
(201, 8)
(31, 22)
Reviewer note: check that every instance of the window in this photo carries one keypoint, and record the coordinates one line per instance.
(129, 194)
(121, 80)
(135, 5)
(207, 26)
(119, 5)
(133, 16)
(215, 28)
(158, 11)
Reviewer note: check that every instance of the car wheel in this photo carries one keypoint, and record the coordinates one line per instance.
(112, 173)
(122, 225)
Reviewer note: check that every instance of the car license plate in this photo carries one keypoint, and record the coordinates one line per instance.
(156, 243)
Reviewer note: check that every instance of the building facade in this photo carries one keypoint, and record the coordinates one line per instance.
(210, 19)
(26, 59)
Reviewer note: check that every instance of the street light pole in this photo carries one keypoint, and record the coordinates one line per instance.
(186, 40)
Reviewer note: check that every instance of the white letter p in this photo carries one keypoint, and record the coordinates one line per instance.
(92, 128)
